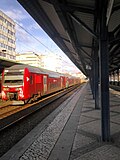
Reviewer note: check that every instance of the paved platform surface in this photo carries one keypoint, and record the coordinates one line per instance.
(72, 132)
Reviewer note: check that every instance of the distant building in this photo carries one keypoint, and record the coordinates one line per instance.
(7, 37)
(52, 62)
(30, 58)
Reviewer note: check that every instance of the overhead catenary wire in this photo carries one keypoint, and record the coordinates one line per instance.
(41, 42)
(34, 37)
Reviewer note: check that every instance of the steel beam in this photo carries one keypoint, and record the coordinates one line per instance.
(80, 22)
(109, 10)
(104, 73)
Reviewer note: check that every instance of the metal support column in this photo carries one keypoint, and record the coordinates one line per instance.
(110, 78)
(118, 77)
(91, 80)
(93, 77)
(104, 74)
(96, 79)
(113, 78)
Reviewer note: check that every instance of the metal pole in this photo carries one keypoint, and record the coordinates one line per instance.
(118, 77)
(104, 74)
(93, 76)
(92, 81)
(96, 79)
(112, 78)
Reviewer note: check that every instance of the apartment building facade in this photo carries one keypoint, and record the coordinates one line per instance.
(50, 62)
(30, 58)
(7, 37)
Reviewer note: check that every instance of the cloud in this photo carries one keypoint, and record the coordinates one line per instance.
(16, 15)
(22, 36)
(34, 26)
(25, 22)
(25, 42)
(19, 15)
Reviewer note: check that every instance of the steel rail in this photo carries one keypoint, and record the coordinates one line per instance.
(24, 111)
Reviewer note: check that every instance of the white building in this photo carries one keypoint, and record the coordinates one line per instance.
(7, 37)
(52, 62)
(30, 58)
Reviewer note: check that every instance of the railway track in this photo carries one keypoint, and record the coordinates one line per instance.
(8, 110)
(4, 104)
(11, 114)
(9, 136)
(12, 108)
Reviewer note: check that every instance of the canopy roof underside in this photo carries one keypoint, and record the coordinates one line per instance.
(74, 27)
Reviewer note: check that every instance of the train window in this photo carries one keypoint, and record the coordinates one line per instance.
(13, 78)
(31, 80)
(45, 79)
(13, 73)
(13, 81)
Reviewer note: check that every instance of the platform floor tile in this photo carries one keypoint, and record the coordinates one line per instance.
(107, 152)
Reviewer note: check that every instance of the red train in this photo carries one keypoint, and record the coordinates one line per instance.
(0, 84)
(27, 83)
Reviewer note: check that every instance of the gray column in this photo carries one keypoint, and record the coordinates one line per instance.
(93, 77)
(113, 77)
(104, 74)
(91, 81)
(96, 79)
(118, 77)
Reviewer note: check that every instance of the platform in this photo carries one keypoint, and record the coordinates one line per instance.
(72, 132)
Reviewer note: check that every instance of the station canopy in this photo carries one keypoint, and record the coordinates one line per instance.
(74, 27)
(6, 63)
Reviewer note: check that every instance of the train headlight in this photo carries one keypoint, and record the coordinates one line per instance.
(3, 94)
(17, 89)
(5, 89)
(21, 93)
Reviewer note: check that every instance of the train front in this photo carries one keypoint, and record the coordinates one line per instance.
(12, 84)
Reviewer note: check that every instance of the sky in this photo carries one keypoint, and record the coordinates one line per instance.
(30, 36)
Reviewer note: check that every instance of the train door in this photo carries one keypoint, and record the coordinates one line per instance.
(44, 84)
(31, 86)
(67, 82)
(61, 82)
(38, 83)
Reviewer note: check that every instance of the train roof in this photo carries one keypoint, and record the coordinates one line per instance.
(35, 70)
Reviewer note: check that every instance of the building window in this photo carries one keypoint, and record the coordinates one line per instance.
(1, 18)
